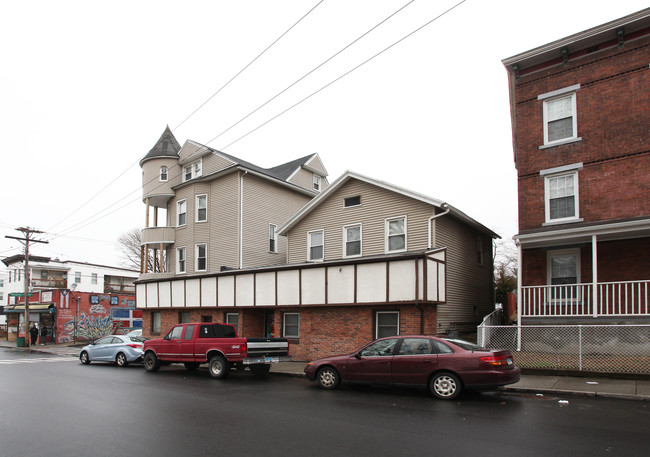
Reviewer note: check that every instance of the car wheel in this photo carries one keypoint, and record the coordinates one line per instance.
(151, 362)
(191, 366)
(328, 378)
(218, 367)
(260, 369)
(445, 386)
(85, 359)
(120, 360)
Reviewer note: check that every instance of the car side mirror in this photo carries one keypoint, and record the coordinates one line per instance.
(357, 355)
(166, 337)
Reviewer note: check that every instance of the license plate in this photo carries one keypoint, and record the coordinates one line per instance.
(271, 359)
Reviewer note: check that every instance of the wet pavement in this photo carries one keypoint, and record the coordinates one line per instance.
(593, 385)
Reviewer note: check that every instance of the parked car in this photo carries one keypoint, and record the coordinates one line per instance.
(445, 366)
(118, 349)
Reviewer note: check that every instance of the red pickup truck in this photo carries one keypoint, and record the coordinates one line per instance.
(217, 345)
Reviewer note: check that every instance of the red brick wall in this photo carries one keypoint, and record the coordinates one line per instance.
(323, 331)
(613, 120)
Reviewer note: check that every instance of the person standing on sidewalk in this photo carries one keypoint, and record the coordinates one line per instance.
(43, 335)
(33, 332)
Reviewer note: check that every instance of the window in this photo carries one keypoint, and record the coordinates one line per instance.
(560, 120)
(315, 245)
(564, 270)
(273, 238)
(182, 212)
(380, 348)
(561, 197)
(93, 278)
(233, 319)
(291, 325)
(201, 257)
(352, 240)
(175, 333)
(479, 250)
(77, 277)
(163, 174)
(386, 323)
(415, 346)
(155, 322)
(189, 332)
(43, 275)
(180, 260)
(396, 234)
(192, 171)
(352, 201)
(184, 317)
(317, 180)
(201, 208)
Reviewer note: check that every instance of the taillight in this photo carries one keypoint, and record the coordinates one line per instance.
(497, 360)
(243, 349)
(135, 346)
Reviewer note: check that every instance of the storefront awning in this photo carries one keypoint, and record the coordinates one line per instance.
(33, 308)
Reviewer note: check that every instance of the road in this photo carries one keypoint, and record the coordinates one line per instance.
(54, 406)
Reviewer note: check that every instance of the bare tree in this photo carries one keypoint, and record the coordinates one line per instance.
(505, 269)
(130, 243)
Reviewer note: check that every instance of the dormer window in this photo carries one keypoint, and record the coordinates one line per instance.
(317, 183)
(191, 171)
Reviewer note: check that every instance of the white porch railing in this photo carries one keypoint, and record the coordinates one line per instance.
(625, 298)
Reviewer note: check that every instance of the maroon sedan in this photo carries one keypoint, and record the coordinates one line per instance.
(444, 365)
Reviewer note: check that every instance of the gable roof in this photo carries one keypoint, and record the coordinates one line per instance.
(166, 147)
(349, 175)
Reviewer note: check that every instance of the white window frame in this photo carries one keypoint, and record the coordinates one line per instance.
(273, 238)
(93, 278)
(193, 170)
(316, 183)
(554, 96)
(547, 198)
(181, 261)
(156, 321)
(387, 234)
(309, 245)
(284, 325)
(181, 204)
(377, 314)
(198, 208)
(77, 277)
(197, 257)
(549, 274)
(345, 240)
(164, 174)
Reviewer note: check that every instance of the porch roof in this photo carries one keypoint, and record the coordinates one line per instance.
(570, 234)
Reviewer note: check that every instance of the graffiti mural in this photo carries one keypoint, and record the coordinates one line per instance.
(88, 327)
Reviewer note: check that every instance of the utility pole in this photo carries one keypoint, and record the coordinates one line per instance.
(26, 240)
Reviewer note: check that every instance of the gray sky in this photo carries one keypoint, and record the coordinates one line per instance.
(86, 89)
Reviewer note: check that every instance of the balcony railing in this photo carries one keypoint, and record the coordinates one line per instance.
(158, 235)
(625, 298)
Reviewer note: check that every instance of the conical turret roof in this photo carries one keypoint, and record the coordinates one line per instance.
(166, 147)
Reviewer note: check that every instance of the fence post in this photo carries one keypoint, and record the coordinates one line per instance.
(580, 347)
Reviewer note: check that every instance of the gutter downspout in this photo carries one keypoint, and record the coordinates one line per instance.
(241, 220)
(430, 235)
(519, 294)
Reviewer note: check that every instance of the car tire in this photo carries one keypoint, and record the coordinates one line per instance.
(151, 362)
(120, 360)
(84, 358)
(260, 369)
(218, 367)
(445, 386)
(328, 378)
(191, 366)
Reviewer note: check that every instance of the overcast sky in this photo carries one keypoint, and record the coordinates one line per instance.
(87, 88)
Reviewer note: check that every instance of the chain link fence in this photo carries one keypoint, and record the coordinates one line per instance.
(594, 348)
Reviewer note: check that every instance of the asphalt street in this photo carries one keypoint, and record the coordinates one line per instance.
(54, 406)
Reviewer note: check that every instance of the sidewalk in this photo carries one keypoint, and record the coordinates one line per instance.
(603, 387)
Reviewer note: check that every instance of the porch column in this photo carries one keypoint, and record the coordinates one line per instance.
(519, 294)
(594, 272)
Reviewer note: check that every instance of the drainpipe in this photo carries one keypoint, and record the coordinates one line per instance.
(241, 220)
(594, 272)
(430, 235)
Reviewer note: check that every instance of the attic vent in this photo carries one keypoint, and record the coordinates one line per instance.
(353, 201)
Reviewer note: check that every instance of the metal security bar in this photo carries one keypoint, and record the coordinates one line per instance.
(593, 348)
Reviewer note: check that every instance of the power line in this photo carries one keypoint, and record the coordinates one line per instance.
(344, 75)
(310, 72)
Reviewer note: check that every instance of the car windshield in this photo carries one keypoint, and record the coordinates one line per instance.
(465, 344)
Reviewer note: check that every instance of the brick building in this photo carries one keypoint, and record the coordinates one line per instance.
(581, 122)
